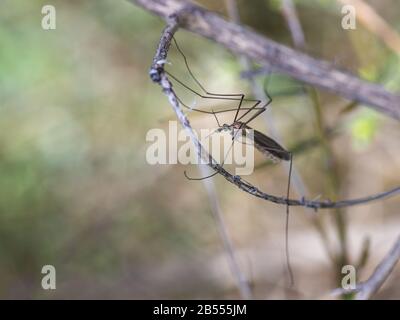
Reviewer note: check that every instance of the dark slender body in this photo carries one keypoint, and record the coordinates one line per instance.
(267, 146)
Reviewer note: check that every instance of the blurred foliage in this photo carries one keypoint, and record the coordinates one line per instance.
(364, 128)
(282, 85)
(75, 189)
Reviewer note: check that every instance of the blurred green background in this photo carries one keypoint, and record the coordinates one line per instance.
(76, 191)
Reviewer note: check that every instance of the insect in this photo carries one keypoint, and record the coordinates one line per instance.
(266, 145)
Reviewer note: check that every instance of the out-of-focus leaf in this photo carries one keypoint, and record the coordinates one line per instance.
(365, 253)
(349, 107)
(280, 85)
(274, 4)
(391, 73)
(369, 72)
(363, 128)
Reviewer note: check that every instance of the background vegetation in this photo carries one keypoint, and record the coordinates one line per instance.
(76, 191)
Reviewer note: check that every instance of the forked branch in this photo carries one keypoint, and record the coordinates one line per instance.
(159, 76)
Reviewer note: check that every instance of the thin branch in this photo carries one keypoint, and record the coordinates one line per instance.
(244, 41)
(365, 290)
(381, 273)
(241, 280)
(292, 19)
(158, 75)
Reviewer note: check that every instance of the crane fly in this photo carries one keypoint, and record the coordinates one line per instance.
(266, 145)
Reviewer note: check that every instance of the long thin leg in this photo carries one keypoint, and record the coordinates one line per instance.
(202, 178)
(260, 110)
(212, 95)
(197, 81)
(216, 95)
(249, 109)
(219, 95)
(210, 112)
(215, 116)
(289, 267)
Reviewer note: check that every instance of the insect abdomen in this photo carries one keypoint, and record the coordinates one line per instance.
(270, 147)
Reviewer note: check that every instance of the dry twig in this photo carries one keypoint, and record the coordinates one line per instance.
(381, 273)
(365, 290)
(241, 280)
(293, 22)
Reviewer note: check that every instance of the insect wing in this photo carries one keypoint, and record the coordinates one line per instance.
(270, 147)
